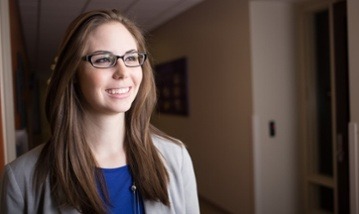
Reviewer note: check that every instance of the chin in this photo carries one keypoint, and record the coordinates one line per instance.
(122, 109)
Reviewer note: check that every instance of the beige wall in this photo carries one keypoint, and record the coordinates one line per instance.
(214, 36)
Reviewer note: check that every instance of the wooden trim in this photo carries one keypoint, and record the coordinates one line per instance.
(6, 87)
(334, 109)
(2, 154)
(321, 180)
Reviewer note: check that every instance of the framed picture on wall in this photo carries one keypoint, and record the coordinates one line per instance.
(171, 82)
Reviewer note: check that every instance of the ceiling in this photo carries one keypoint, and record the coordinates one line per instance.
(45, 21)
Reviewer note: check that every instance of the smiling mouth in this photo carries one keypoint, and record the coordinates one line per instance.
(118, 90)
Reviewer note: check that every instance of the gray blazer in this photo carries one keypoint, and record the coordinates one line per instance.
(18, 196)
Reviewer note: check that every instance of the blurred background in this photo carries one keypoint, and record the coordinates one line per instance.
(262, 92)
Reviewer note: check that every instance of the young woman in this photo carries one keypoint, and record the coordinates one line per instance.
(103, 155)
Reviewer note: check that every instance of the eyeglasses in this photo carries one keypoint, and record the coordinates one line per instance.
(106, 59)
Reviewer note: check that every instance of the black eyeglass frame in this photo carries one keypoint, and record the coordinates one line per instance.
(88, 58)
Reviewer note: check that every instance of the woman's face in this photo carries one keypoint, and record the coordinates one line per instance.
(109, 90)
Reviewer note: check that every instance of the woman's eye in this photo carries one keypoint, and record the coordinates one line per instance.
(131, 58)
(102, 60)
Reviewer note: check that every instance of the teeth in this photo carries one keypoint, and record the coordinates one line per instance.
(118, 90)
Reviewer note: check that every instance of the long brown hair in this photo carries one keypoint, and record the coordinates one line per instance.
(66, 157)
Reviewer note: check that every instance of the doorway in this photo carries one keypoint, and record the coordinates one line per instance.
(325, 107)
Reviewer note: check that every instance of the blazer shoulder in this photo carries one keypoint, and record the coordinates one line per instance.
(25, 164)
(173, 151)
(168, 146)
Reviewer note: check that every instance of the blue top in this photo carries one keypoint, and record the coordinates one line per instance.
(123, 199)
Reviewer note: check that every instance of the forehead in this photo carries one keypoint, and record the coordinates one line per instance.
(112, 36)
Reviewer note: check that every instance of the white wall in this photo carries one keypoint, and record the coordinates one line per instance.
(274, 98)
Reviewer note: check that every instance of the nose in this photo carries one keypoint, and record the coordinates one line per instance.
(121, 71)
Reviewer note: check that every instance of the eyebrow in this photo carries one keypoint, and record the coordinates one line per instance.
(131, 51)
(105, 51)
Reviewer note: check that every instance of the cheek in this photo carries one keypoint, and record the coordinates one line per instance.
(139, 77)
(89, 80)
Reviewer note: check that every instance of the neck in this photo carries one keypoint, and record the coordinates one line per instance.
(105, 135)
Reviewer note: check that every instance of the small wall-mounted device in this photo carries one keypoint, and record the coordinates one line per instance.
(272, 128)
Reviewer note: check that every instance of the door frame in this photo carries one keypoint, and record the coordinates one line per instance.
(306, 68)
(6, 86)
(353, 43)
